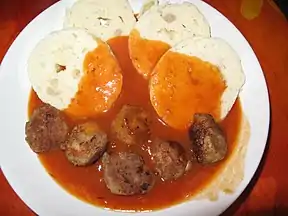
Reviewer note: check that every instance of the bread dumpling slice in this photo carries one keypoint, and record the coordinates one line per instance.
(198, 75)
(146, 6)
(75, 72)
(160, 28)
(103, 18)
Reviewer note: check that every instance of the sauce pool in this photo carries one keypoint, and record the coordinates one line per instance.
(87, 184)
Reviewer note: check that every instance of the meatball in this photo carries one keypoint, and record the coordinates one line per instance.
(46, 129)
(208, 140)
(85, 144)
(169, 158)
(126, 174)
(131, 125)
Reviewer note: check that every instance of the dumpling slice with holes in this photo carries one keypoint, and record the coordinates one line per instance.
(104, 18)
(76, 72)
(160, 28)
(198, 75)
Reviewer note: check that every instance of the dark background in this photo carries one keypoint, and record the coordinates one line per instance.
(283, 5)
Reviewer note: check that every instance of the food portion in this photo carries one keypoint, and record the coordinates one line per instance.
(170, 159)
(126, 174)
(161, 27)
(207, 139)
(46, 129)
(104, 19)
(86, 144)
(115, 159)
(198, 75)
(76, 72)
(132, 125)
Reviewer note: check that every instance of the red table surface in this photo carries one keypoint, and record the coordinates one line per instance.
(267, 194)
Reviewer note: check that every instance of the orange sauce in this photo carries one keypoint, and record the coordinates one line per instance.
(87, 183)
(182, 85)
(145, 53)
(100, 86)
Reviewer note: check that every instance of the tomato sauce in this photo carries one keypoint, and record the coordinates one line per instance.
(145, 53)
(100, 86)
(183, 85)
(87, 183)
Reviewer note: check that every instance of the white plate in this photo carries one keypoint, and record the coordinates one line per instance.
(26, 174)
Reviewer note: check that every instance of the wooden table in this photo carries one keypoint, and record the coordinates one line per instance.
(267, 33)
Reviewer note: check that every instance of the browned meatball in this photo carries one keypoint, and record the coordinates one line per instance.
(46, 129)
(86, 144)
(169, 158)
(131, 125)
(208, 140)
(126, 174)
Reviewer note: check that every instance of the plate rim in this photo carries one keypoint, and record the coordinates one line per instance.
(265, 94)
